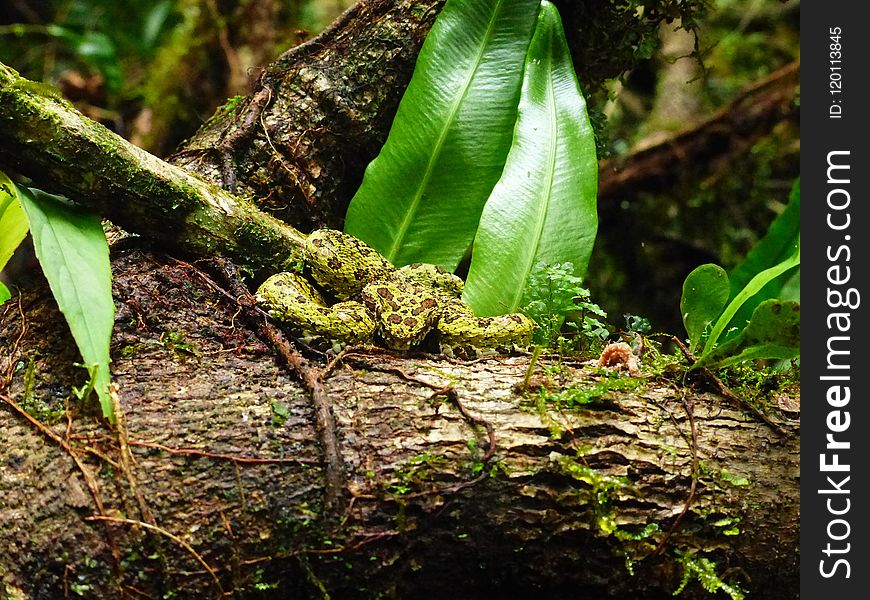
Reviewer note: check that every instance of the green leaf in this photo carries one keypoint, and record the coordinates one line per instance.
(777, 245)
(705, 293)
(421, 198)
(72, 250)
(553, 293)
(154, 22)
(543, 209)
(4, 293)
(773, 332)
(92, 47)
(751, 288)
(791, 289)
(13, 221)
(96, 45)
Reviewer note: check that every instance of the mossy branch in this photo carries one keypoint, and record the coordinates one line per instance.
(46, 139)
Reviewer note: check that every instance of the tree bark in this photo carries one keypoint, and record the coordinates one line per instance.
(317, 116)
(225, 457)
(455, 482)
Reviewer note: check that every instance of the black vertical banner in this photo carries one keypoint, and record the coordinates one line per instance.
(835, 224)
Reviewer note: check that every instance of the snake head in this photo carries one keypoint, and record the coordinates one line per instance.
(342, 263)
(405, 313)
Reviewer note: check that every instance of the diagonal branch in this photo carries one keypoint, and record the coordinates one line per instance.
(42, 134)
(728, 132)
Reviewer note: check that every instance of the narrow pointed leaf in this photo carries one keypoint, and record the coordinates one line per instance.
(705, 293)
(72, 250)
(772, 332)
(543, 209)
(776, 246)
(420, 199)
(751, 288)
(13, 221)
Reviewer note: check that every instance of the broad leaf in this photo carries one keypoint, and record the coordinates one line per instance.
(543, 209)
(791, 289)
(13, 221)
(72, 250)
(420, 199)
(777, 245)
(705, 293)
(773, 332)
(751, 288)
(4, 293)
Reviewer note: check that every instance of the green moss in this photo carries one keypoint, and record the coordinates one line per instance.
(280, 413)
(418, 469)
(29, 380)
(229, 107)
(46, 408)
(38, 88)
(576, 397)
(659, 362)
(548, 402)
(603, 486)
(759, 386)
(598, 492)
(586, 396)
(727, 526)
(253, 235)
(637, 543)
(704, 571)
(177, 343)
(89, 577)
(731, 479)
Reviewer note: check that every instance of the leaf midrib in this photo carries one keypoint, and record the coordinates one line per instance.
(544, 206)
(398, 239)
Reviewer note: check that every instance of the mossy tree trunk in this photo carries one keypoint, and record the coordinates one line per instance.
(455, 482)
(226, 458)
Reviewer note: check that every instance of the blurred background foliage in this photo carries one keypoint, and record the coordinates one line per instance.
(155, 70)
(651, 237)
